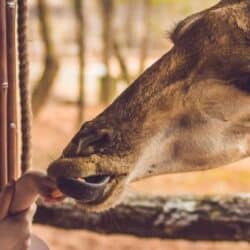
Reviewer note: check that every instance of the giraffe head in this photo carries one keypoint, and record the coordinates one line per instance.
(188, 111)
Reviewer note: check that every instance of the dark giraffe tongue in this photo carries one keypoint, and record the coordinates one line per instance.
(86, 190)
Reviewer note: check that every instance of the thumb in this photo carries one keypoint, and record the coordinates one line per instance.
(5, 200)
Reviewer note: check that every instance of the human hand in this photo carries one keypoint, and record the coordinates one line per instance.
(15, 230)
(17, 209)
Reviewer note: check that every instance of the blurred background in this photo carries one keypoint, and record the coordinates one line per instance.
(83, 54)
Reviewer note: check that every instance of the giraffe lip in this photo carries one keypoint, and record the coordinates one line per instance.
(87, 190)
(90, 186)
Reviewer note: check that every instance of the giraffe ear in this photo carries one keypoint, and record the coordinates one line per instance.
(184, 26)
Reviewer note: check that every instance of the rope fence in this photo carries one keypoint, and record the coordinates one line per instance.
(9, 155)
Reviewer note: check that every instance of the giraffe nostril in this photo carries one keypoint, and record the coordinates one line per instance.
(69, 150)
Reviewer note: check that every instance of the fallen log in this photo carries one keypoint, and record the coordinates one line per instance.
(220, 218)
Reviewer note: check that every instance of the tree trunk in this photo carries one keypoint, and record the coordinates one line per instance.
(80, 37)
(220, 218)
(42, 89)
(129, 23)
(107, 88)
(121, 61)
(147, 6)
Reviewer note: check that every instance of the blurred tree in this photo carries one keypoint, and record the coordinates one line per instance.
(129, 23)
(80, 37)
(107, 84)
(121, 61)
(147, 10)
(51, 65)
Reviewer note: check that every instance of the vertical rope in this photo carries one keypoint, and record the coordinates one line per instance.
(23, 85)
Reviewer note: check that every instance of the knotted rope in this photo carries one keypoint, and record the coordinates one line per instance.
(25, 110)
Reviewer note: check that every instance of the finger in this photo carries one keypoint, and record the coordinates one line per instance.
(5, 201)
(25, 245)
(26, 217)
(46, 187)
(28, 187)
(30, 213)
(17, 229)
(41, 182)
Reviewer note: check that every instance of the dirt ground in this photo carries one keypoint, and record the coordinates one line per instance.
(54, 128)
(81, 240)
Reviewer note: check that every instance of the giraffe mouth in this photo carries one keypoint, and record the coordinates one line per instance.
(83, 181)
(88, 190)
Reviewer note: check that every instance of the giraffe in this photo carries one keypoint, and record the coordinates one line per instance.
(189, 111)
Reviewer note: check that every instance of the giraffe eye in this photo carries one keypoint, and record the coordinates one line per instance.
(89, 143)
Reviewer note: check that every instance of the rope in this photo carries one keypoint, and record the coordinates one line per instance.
(23, 85)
